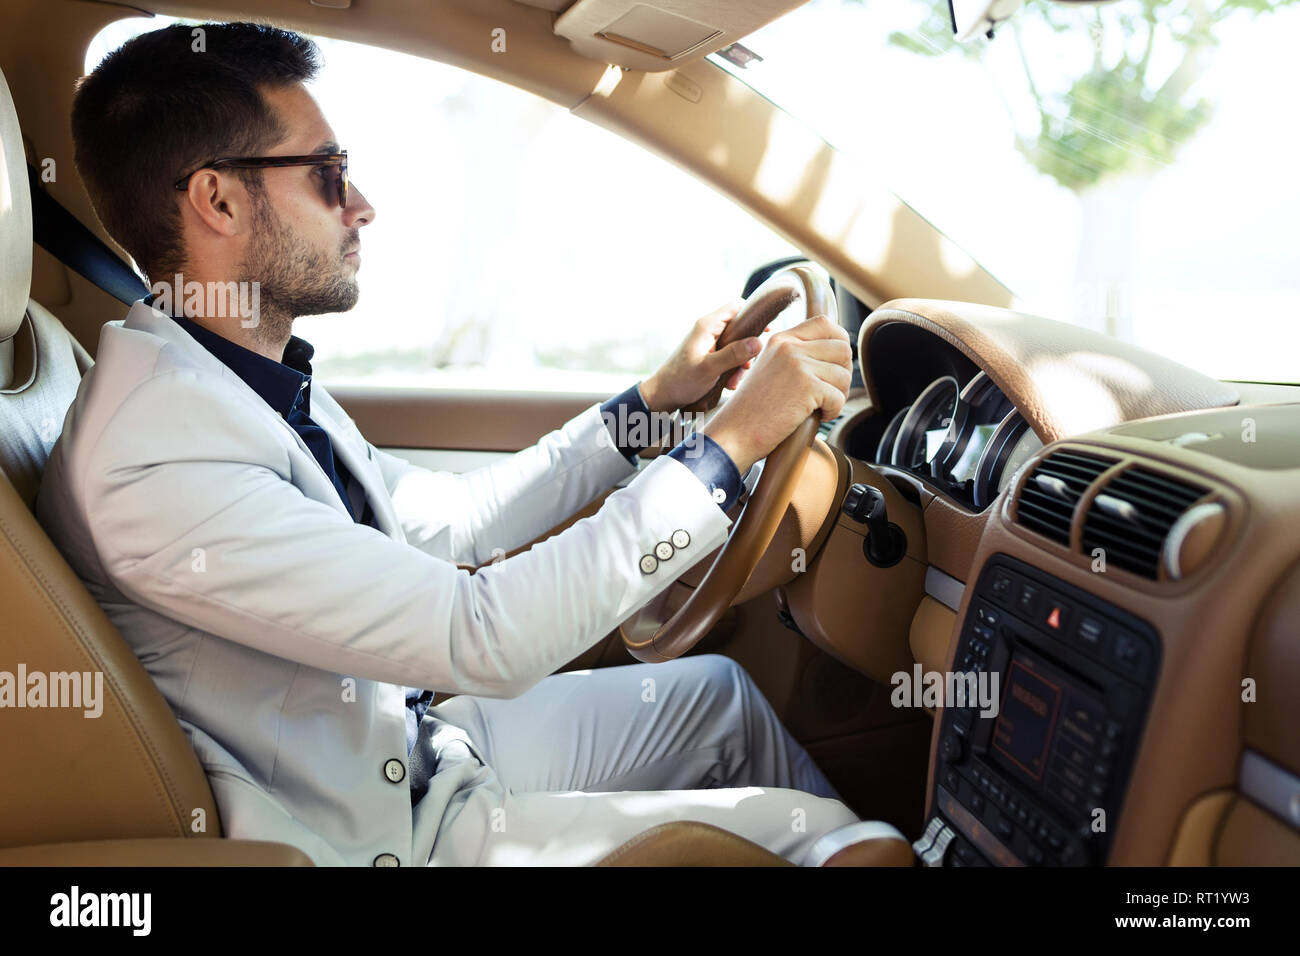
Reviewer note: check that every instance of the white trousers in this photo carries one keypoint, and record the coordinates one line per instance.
(586, 760)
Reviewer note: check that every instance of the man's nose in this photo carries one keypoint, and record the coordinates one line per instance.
(358, 212)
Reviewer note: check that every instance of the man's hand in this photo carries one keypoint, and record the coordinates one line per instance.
(802, 370)
(693, 369)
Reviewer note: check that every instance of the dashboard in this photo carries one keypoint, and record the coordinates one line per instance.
(1099, 530)
(968, 441)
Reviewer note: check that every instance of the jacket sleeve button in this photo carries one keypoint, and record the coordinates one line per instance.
(394, 770)
(681, 539)
(663, 550)
(386, 859)
(648, 563)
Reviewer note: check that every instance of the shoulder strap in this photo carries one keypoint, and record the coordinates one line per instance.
(63, 236)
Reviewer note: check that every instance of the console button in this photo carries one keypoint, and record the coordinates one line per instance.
(1027, 599)
(1075, 756)
(1072, 776)
(1055, 616)
(1065, 792)
(1129, 653)
(1001, 585)
(952, 748)
(1090, 631)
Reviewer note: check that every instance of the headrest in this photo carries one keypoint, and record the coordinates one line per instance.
(15, 222)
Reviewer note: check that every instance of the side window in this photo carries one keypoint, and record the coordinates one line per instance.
(514, 245)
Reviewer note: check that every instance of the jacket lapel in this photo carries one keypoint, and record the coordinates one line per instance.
(357, 460)
(145, 318)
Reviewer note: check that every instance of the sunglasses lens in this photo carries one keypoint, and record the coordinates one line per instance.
(343, 184)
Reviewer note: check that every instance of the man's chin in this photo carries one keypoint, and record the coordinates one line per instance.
(344, 301)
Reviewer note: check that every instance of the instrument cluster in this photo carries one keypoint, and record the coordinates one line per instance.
(968, 442)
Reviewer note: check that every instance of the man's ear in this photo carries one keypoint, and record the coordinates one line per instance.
(221, 203)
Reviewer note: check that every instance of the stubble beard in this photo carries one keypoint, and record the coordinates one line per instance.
(294, 277)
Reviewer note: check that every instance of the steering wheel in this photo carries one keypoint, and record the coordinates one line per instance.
(652, 640)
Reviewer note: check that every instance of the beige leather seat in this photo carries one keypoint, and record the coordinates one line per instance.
(123, 788)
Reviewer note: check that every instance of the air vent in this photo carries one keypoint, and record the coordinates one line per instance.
(1053, 488)
(1133, 514)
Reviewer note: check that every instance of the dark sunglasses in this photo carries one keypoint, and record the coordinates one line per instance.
(268, 162)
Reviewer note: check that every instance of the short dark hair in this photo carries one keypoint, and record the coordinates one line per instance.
(162, 104)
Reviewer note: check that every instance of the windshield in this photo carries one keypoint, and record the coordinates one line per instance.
(1127, 166)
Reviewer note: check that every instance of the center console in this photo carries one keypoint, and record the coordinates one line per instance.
(1033, 770)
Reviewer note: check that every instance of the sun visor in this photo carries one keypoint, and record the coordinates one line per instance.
(662, 34)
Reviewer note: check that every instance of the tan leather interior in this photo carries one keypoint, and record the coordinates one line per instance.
(1213, 638)
(156, 852)
(690, 844)
(1064, 379)
(147, 780)
(1189, 801)
(882, 852)
(856, 612)
(931, 630)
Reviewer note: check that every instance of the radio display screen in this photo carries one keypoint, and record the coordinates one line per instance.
(1026, 723)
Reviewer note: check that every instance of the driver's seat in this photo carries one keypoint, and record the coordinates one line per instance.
(123, 787)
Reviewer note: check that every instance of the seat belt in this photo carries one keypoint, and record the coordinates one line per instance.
(63, 236)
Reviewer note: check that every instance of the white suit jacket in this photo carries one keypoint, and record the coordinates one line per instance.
(281, 631)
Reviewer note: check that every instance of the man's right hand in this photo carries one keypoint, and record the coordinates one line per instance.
(800, 371)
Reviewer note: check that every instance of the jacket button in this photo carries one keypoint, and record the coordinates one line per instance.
(386, 859)
(663, 550)
(648, 563)
(680, 539)
(394, 770)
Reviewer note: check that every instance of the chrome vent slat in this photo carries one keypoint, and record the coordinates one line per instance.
(1047, 506)
(1153, 502)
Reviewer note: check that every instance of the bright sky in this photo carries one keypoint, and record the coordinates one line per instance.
(533, 231)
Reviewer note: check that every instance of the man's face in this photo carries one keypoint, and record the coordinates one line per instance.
(303, 248)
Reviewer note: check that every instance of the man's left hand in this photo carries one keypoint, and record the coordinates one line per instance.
(694, 367)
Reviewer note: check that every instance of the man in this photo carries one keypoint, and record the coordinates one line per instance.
(293, 590)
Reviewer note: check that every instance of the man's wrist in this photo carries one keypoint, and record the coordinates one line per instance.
(651, 394)
(743, 458)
